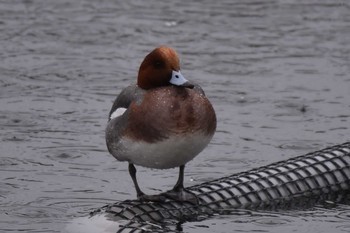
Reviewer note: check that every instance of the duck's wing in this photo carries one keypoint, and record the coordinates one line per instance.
(125, 98)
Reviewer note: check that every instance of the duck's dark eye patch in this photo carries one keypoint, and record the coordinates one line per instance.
(158, 64)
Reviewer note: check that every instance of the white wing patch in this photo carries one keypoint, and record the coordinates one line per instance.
(117, 112)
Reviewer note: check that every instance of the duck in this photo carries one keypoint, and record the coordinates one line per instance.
(162, 121)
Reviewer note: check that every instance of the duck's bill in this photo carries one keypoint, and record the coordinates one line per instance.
(178, 79)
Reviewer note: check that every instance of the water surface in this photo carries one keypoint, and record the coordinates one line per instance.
(277, 73)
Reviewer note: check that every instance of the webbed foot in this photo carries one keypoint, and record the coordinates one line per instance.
(152, 198)
(182, 195)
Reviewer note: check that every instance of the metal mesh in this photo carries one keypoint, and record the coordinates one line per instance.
(306, 179)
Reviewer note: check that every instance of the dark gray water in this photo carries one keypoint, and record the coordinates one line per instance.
(277, 73)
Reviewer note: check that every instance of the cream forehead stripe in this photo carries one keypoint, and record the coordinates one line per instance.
(117, 112)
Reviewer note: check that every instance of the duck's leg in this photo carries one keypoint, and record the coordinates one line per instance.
(132, 172)
(179, 186)
(179, 192)
(141, 195)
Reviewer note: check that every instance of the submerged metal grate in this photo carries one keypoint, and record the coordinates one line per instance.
(306, 179)
(316, 175)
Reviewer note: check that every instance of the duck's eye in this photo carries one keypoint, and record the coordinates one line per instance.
(158, 64)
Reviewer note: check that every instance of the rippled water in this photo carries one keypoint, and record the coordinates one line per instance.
(277, 73)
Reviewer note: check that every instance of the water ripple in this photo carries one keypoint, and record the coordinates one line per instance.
(275, 71)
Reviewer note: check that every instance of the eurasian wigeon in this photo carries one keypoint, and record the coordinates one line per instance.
(161, 122)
